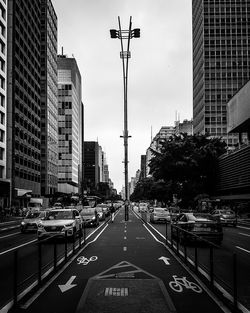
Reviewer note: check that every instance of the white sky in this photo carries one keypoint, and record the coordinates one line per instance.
(160, 70)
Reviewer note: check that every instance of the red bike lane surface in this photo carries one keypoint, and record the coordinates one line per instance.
(124, 265)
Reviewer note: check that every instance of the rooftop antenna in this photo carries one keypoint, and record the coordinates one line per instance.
(62, 50)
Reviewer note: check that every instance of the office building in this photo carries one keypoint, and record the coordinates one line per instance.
(4, 182)
(49, 101)
(221, 66)
(24, 98)
(70, 125)
(185, 127)
(91, 165)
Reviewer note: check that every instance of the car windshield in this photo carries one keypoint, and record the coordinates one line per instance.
(59, 215)
(98, 209)
(32, 214)
(159, 210)
(87, 212)
(200, 217)
(228, 212)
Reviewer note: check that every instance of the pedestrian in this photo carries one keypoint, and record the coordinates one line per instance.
(112, 211)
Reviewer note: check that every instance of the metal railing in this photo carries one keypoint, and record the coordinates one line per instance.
(45, 263)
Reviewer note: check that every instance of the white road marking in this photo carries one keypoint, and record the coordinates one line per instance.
(243, 227)
(244, 234)
(125, 237)
(9, 235)
(14, 248)
(242, 249)
(124, 248)
(216, 300)
(125, 231)
(8, 228)
(32, 299)
(165, 260)
(68, 285)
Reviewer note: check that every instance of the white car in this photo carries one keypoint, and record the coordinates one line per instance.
(60, 223)
(31, 220)
(143, 207)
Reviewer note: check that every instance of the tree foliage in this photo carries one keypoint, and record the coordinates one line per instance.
(185, 165)
(189, 163)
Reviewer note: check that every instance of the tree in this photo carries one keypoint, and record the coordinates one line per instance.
(188, 163)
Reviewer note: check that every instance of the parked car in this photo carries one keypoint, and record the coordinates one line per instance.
(90, 217)
(159, 215)
(100, 213)
(226, 216)
(59, 223)
(31, 220)
(203, 225)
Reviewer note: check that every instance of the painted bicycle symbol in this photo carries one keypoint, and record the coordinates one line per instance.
(178, 284)
(85, 261)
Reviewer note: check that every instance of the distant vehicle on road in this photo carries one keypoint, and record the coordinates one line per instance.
(59, 223)
(101, 213)
(90, 217)
(143, 207)
(159, 215)
(31, 220)
(35, 203)
(203, 225)
(226, 216)
(105, 207)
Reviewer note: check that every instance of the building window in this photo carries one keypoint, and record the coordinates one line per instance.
(1, 153)
(1, 135)
(1, 171)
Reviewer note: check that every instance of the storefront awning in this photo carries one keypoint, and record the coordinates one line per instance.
(23, 192)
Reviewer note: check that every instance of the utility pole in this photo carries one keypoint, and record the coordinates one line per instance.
(125, 55)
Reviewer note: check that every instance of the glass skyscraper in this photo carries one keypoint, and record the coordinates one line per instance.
(70, 125)
(221, 57)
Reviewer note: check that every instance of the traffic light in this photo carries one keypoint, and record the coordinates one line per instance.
(137, 33)
(113, 33)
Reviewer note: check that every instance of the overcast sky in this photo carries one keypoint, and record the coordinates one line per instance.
(160, 70)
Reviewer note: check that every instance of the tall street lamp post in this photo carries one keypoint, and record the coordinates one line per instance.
(125, 55)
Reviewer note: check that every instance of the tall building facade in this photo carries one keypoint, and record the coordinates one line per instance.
(4, 182)
(49, 102)
(70, 125)
(24, 97)
(91, 165)
(221, 50)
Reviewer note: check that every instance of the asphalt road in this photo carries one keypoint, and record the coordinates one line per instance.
(127, 256)
(236, 240)
(26, 245)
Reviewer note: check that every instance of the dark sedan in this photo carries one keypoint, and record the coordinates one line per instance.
(89, 217)
(198, 226)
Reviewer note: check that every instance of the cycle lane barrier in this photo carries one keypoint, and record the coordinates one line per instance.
(124, 280)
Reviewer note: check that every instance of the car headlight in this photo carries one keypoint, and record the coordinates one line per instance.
(23, 223)
(93, 218)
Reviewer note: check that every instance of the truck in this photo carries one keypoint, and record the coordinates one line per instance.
(35, 204)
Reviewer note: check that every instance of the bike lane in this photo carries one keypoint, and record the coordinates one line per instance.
(124, 270)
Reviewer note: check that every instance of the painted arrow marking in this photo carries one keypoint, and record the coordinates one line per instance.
(165, 260)
(68, 285)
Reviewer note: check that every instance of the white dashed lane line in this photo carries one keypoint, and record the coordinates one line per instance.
(243, 234)
(245, 250)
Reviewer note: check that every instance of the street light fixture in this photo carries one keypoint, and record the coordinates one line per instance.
(125, 55)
